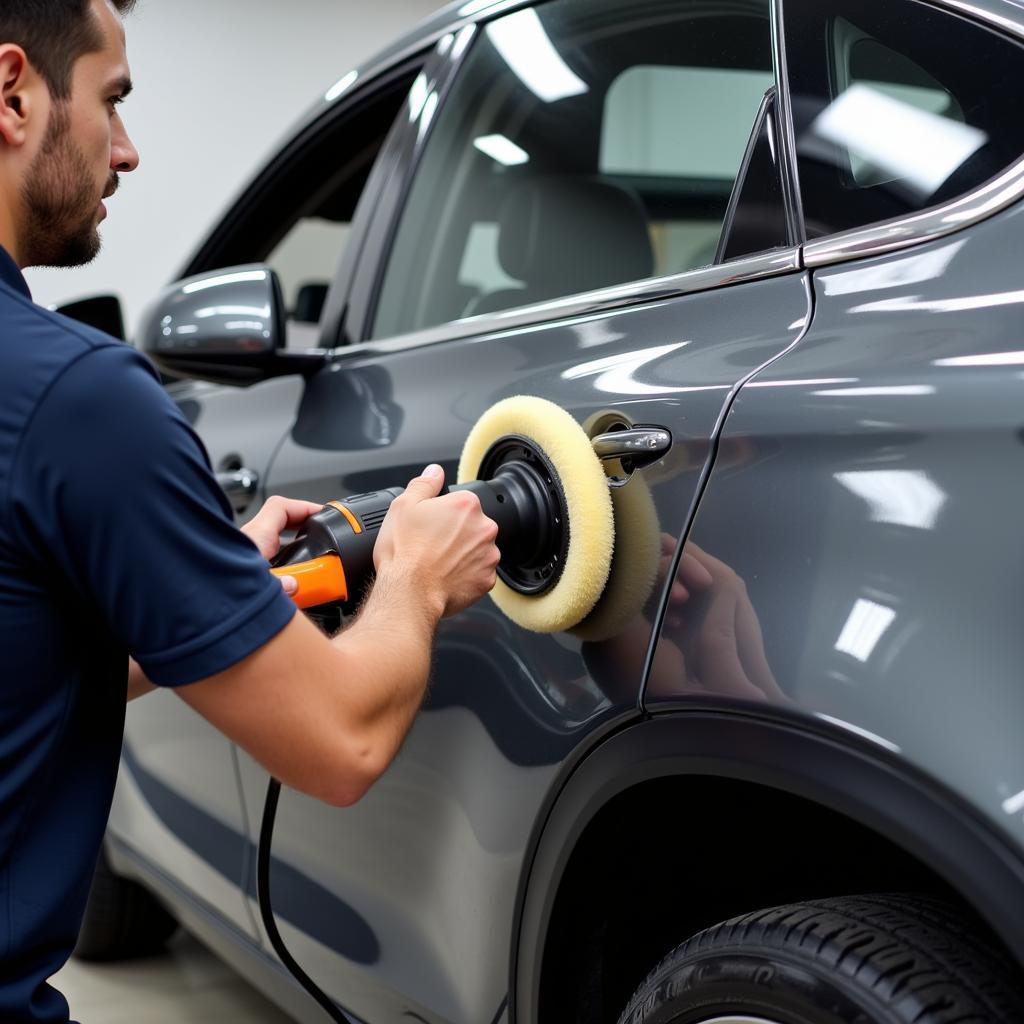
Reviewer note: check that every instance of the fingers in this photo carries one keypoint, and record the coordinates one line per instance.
(295, 512)
(692, 574)
(277, 515)
(752, 654)
(692, 577)
(280, 514)
(445, 544)
(721, 669)
(427, 485)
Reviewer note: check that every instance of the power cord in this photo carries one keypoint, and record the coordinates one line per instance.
(267, 913)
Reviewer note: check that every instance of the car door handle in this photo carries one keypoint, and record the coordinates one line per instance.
(640, 445)
(241, 486)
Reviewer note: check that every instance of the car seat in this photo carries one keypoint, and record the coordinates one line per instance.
(561, 235)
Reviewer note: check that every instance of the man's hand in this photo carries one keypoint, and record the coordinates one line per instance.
(266, 527)
(328, 716)
(442, 547)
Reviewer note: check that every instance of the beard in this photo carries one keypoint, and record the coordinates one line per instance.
(60, 202)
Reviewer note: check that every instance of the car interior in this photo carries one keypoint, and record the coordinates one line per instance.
(500, 233)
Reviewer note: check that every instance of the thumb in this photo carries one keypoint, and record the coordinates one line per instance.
(427, 485)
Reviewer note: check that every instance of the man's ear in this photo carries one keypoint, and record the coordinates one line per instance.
(15, 98)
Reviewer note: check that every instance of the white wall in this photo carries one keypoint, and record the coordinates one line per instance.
(217, 85)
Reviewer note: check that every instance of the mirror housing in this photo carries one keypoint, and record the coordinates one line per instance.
(227, 327)
(100, 311)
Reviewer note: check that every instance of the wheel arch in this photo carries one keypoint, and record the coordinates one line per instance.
(918, 832)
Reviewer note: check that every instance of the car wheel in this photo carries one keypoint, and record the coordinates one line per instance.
(122, 920)
(849, 960)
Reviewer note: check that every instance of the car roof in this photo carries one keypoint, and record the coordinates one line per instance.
(454, 16)
(459, 13)
(450, 18)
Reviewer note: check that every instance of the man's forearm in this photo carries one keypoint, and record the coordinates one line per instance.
(328, 716)
(394, 633)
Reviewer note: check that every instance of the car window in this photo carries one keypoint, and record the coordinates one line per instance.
(297, 216)
(897, 107)
(305, 260)
(584, 144)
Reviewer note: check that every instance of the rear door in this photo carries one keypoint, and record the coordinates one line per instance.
(591, 210)
(867, 548)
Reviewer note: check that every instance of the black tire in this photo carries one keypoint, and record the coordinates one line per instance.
(122, 920)
(849, 960)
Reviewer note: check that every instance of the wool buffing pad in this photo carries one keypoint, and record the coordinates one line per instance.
(583, 483)
(634, 569)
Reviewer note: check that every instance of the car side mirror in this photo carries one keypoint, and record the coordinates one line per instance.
(100, 311)
(227, 327)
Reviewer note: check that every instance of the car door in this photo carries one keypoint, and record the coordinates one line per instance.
(178, 805)
(593, 210)
(868, 543)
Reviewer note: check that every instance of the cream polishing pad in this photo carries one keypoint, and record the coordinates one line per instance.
(582, 480)
(634, 565)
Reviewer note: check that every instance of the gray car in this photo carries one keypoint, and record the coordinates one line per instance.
(790, 789)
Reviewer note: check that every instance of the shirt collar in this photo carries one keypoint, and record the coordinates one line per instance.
(11, 276)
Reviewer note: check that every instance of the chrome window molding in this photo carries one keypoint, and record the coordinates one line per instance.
(890, 235)
(784, 107)
(586, 304)
(901, 232)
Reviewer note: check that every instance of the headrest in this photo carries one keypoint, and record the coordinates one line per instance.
(571, 234)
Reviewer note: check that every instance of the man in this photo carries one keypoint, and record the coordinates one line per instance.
(115, 539)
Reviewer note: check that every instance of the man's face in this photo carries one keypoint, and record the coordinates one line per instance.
(77, 166)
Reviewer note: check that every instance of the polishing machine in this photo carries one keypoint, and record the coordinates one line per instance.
(541, 477)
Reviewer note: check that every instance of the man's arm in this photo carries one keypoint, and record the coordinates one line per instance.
(264, 530)
(138, 684)
(327, 717)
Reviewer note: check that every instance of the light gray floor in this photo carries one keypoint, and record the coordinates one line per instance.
(186, 984)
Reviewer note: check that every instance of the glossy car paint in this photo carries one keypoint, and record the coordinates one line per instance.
(429, 861)
(403, 906)
(874, 516)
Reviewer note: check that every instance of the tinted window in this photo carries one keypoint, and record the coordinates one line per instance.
(297, 216)
(584, 144)
(897, 107)
(756, 220)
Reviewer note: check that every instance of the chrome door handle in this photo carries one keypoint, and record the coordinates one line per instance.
(640, 445)
(241, 487)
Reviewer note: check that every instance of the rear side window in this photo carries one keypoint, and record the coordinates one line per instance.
(652, 131)
(586, 143)
(897, 107)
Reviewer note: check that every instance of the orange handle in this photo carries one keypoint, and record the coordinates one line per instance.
(321, 581)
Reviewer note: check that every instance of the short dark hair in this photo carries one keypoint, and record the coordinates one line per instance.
(54, 34)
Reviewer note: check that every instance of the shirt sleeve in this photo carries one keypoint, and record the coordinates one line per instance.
(114, 497)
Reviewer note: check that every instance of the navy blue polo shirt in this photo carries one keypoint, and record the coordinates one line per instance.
(114, 540)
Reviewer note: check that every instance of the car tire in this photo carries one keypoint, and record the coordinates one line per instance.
(889, 959)
(122, 920)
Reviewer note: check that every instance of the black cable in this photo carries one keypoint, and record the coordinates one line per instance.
(267, 913)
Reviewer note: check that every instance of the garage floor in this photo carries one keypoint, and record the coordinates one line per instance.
(186, 984)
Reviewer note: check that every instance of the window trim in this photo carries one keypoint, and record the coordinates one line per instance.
(936, 222)
(592, 303)
(410, 142)
(784, 107)
(768, 113)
